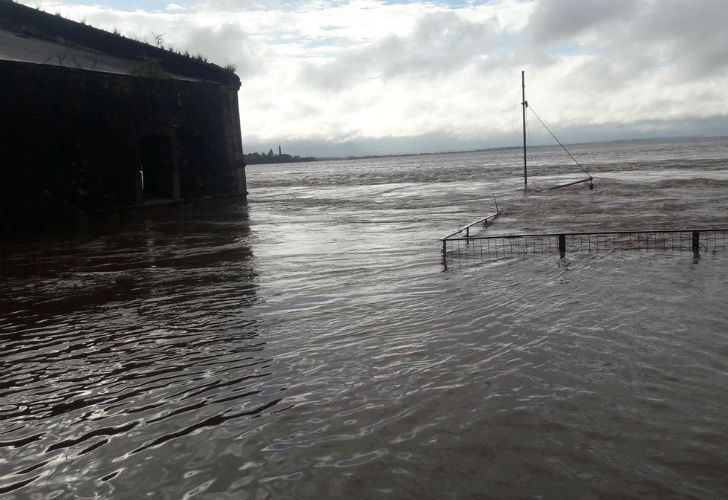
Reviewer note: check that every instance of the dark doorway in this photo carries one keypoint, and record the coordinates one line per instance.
(158, 167)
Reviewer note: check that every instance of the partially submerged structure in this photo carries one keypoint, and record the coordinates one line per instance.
(91, 120)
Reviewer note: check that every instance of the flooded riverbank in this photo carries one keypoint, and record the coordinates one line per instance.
(309, 344)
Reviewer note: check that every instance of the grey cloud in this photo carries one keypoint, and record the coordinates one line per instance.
(227, 44)
(444, 141)
(690, 35)
(557, 20)
(676, 40)
(440, 44)
(601, 77)
(670, 19)
(224, 44)
(711, 126)
(439, 141)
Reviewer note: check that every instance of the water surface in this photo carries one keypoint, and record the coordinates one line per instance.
(310, 345)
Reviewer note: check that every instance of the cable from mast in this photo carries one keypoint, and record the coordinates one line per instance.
(559, 142)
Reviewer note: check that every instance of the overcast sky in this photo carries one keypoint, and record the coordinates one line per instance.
(381, 77)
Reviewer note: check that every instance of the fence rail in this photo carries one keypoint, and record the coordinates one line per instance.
(665, 241)
(467, 227)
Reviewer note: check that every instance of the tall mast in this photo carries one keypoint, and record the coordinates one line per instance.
(525, 105)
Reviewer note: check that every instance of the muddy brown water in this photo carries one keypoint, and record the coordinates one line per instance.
(310, 345)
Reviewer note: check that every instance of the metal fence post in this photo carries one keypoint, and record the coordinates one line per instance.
(696, 244)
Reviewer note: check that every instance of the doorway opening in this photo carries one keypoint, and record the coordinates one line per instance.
(158, 168)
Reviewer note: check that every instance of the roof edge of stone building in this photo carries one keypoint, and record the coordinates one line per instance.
(34, 22)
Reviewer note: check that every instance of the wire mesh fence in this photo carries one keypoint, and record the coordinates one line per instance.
(692, 241)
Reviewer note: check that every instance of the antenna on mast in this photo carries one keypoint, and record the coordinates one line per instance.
(525, 105)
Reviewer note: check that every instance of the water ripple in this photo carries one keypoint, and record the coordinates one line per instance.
(311, 346)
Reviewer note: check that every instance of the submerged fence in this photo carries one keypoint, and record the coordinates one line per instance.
(665, 241)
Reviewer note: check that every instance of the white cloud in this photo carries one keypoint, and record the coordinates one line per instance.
(374, 74)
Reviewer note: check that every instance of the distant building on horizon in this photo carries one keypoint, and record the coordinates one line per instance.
(270, 157)
(93, 120)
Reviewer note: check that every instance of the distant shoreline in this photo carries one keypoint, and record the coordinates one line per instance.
(297, 159)
(480, 150)
(261, 159)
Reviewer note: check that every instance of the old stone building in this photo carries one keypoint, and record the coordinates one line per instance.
(90, 120)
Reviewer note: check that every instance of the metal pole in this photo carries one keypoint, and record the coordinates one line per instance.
(525, 105)
(444, 254)
(696, 244)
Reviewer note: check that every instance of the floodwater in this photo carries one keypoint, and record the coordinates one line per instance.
(310, 345)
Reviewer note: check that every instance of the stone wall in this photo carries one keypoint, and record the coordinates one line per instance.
(71, 140)
(38, 24)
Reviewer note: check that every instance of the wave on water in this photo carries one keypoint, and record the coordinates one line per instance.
(309, 345)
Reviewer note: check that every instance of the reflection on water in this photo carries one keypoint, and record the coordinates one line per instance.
(309, 346)
(119, 343)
